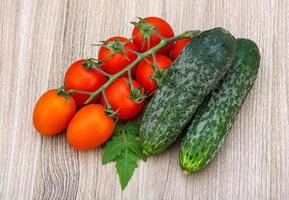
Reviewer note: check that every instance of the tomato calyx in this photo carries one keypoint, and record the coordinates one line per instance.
(61, 92)
(158, 76)
(137, 94)
(92, 63)
(111, 113)
(116, 46)
(108, 109)
(146, 30)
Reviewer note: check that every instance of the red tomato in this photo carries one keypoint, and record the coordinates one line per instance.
(118, 60)
(178, 47)
(89, 128)
(118, 96)
(52, 113)
(80, 78)
(145, 71)
(163, 29)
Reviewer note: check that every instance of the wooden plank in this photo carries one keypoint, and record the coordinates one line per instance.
(39, 39)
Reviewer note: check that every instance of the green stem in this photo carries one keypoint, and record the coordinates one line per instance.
(154, 65)
(102, 72)
(130, 80)
(164, 42)
(78, 91)
(108, 106)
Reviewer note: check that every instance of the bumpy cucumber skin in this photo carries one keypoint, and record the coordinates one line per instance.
(203, 62)
(209, 129)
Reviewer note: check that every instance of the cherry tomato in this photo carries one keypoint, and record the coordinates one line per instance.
(118, 96)
(145, 71)
(178, 47)
(120, 57)
(52, 113)
(80, 78)
(163, 29)
(89, 128)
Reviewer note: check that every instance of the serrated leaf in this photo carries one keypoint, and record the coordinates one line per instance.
(132, 128)
(112, 149)
(135, 146)
(125, 149)
(117, 130)
(125, 167)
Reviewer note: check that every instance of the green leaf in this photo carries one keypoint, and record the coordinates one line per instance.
(125, 167)
(117, 130)
(132, 127)
(125, 149)
(135, 146)
(112, 149)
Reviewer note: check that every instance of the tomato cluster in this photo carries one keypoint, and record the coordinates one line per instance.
(89, 126)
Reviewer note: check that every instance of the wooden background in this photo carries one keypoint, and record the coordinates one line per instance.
(39, 39)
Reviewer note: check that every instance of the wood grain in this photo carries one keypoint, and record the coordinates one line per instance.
(38, 40)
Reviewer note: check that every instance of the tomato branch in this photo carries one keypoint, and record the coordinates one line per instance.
(102, 72)
(155, 65)
(140, 56)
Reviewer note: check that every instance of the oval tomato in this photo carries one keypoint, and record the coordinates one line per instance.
(178, 47)
(145, 71)
(79, 77)
(142, 30)
(52, 113)
(114, 57)
(89, 128)
(118, 96)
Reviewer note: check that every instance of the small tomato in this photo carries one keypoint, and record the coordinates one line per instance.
(143, 31)
(79, 77)
(145, 71)
(178, 47)
(114, 56)
(89, 128)
(118, 96)
(52, 113)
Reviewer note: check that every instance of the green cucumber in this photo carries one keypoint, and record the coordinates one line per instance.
(209, 129)
(203, 62)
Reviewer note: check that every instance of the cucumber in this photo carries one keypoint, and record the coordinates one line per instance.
(203, 62)
(209, 129)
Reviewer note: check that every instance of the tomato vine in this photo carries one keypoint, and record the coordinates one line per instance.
(95, 64)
